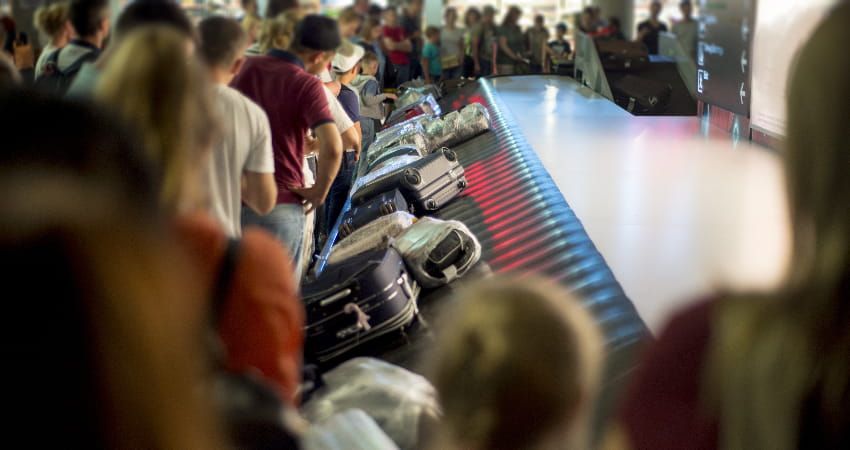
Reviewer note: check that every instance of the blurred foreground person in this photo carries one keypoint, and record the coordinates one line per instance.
(104, 328)
(516, 366)
(153, 82)
(53, 23)
(771, 371)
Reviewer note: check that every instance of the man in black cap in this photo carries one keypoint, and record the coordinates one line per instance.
(285, 85)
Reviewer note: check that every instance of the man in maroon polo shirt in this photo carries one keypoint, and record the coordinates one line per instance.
(285, 85)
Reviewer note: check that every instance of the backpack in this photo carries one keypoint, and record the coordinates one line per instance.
(56, 82)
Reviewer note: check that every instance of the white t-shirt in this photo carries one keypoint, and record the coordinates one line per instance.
(245, 145)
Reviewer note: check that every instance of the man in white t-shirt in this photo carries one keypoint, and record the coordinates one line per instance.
(241, 168)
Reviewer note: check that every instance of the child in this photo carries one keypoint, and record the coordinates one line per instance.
(371, 98)
(515, 366)
(431, 64)
(559, 49)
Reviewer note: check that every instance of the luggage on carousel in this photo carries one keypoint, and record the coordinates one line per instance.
(377, 160)
(438, 251)
(428, 183)
(415, 137)
(381, 205)
(425, 106)
(622, 56)
(640, 95)
(376, 234)
(458, 126)
(356, 301)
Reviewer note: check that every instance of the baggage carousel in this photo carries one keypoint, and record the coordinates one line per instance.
(526, 229)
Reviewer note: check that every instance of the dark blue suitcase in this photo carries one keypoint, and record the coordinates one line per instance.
(357, 301)
(382, 205)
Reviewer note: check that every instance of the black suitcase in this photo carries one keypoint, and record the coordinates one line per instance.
(357, 301)
(622, 56)
(382, 205)
(639, 95)
(428, 183)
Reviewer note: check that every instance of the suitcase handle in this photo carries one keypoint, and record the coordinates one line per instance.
(336, 297)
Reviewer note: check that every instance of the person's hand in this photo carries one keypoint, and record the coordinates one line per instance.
(311, 196)
(392, 97)
(335, 87)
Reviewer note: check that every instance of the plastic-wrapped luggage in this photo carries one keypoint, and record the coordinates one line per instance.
(438, 251)
(377, 234)
(403, 126)
(415, 137)
(400, 401)
(428, 182)
(409, 97)
(427, 105)
(352, 429)
(458, 126)
(387, 155)
(358, 216)
(356, 301)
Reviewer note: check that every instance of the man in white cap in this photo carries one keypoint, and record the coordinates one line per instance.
(346, 67)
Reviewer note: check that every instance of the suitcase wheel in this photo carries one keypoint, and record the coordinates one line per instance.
(412, 177)
(461, 184)
(431, 204)
(345, 229)
(388, 208)
(450, 155)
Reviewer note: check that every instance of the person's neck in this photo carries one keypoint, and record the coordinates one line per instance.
(59, 42)
(345, 80)
(450, 26)
(97, 41)
(220, 76)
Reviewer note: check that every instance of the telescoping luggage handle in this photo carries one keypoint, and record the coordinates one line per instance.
(362, 319)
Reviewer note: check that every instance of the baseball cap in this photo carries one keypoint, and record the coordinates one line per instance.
(317, 32)
(347, 55)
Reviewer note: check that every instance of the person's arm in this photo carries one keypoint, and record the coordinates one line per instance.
(372, 97)
(259, 191)
(351, 139)
(547, 57)
(476, 41)
(330, 156)
(503, 45)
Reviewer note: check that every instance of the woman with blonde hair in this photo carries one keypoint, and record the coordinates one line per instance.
(52, 21)
(771, 370)
(154, 82)
(516, 366)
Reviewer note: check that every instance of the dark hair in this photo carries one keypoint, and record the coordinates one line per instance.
(222, 41)
(431, 31)
(83, 140)
(470, 12)
(276, 7)
(317, 33)
(613, 21)
(86, 15)
(562, 26)
(153, 12)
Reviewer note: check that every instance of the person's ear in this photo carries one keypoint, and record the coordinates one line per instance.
(237, 66)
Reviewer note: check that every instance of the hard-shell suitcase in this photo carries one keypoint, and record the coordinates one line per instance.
(458, 126)
(640, 95)
(377, 161)
(382, 205)
(428, 183)
(376, 234)
(438, 251)
(356, 301)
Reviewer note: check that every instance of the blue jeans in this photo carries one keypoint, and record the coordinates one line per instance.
(453, 74)
(286, 223)
(369, 128)
(337, 195)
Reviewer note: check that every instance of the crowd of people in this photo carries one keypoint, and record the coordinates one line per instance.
(148, 148)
